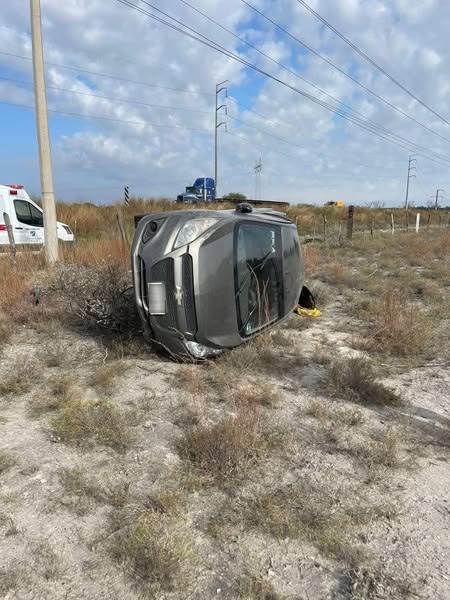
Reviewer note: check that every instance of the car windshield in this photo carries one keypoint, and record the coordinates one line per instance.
(258, 281)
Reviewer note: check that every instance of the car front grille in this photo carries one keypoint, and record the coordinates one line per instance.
(188, 289)
(164, 271)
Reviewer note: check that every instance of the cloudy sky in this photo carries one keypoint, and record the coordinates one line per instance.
(132, 101)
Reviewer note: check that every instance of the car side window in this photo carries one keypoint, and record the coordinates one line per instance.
(28, 214)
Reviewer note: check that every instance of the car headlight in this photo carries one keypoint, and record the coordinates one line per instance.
(200, 351)
(192, 229)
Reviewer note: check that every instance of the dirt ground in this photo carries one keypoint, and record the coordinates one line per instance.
(342, 499)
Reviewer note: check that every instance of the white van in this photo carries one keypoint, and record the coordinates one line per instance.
(26, 218)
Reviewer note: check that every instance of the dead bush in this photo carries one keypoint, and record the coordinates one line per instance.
(228, 449)
(104, 377)
(94, 421)
(264, 394)
(83, 490)
(398, 327)
(6, 461)
(384, 451)
(254, 588)
(61, 390)
(155, 546)
(20, 377)
(354, 379)
(312, 512)
(98, 295)
(349, 417)
(5, 330)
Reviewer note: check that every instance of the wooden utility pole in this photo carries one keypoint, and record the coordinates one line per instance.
(45, 158)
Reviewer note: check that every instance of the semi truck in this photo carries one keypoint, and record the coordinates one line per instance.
(203, 190)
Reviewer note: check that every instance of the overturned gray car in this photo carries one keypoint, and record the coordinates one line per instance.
(206, 281)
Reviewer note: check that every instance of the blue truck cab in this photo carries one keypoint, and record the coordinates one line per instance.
(203, 190)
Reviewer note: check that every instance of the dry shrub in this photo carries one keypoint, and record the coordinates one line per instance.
(381, 452)
(399, 328)
(228, 449)
(15, 287)
(62, 388)
(349, 417)
(191, 379)
(83, 490)
(312, 258)
(97, 295)
(155, 546)
(264, 394)
(311, 511)
(5, 330)
(20, 377)
(94, 421)
(254, 588)
(354, 379)
(104, 377)
(6, 461)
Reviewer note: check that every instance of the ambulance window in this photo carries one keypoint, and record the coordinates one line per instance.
(28, 214)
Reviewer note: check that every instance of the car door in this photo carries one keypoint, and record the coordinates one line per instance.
(29, 223)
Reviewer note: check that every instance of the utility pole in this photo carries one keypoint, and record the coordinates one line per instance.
(220, 87)
(45, 158)
(258, 169)
(436, 203)
(412, 164)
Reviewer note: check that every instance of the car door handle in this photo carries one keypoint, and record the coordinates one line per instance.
(18, 227)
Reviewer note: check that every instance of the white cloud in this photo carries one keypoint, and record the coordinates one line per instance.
(156, 150)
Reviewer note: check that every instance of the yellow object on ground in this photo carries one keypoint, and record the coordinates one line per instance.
(307, 312)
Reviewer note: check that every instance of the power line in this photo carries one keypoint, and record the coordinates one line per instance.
(342, 71)
(98, 117)
(114, 98)
(109, 76)
(370, 60)
(262, 53)
(195, 35)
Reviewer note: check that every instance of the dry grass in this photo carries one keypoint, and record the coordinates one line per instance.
(255, 588)
(354, 379)
(83, 490)
(229, 449)
(6, 461)
(384, 451)
(62, 389)
(324, 412)
(21, 377)
(155, 545)
(93, 421)
(105, 376)
(6, 330)
(264, 394)
(314, 513)
(398, 328)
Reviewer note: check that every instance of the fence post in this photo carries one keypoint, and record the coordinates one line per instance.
(428, 219)
(417, 222)
(351, 210)
(314, 226)
(123, 234)
(392, 224)
(372, 225)
(324, 226)
(12, 243)
(407, 219)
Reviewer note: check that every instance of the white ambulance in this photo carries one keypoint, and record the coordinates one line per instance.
(26, 218)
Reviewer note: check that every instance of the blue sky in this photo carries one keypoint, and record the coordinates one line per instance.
(308, 153)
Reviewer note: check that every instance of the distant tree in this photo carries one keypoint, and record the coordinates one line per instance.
(235, 196)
